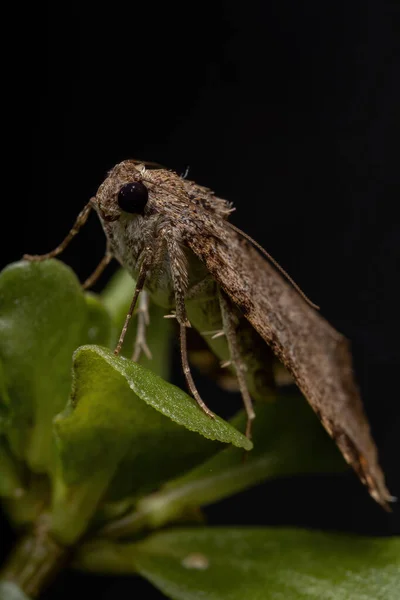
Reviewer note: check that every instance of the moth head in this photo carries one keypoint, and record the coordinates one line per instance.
(133, 189)
(123, 192)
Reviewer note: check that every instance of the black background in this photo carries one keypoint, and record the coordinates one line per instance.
(289, 110)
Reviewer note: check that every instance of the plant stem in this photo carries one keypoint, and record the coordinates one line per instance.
(35, 560)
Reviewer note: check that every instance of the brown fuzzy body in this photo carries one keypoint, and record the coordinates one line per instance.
(192, 221)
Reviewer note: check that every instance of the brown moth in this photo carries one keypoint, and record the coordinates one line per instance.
(174, 238)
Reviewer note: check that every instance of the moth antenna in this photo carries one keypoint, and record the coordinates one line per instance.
(275, 263)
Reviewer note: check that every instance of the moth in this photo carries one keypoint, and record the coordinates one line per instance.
(175, 239)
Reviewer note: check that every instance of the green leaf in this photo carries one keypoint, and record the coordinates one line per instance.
(42, 314)
(255, 564)
(120, 409)
(4, 401)
(10, 591)
(11, 485)
(117, 297)
(44, 317)
(288, 439)
(99, 328)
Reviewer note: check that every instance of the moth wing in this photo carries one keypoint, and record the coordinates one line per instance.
(207, 200)
(317, 356)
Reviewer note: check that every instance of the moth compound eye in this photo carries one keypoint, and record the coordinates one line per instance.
(132, 197)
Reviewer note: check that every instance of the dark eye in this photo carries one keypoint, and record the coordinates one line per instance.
(132, 197)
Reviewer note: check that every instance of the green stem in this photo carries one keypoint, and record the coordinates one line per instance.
(35, 561)
(186, 495)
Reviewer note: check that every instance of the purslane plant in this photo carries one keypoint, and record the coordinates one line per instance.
(98, 454)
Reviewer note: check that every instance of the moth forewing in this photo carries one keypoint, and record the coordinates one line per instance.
(315, 354)
(173, 236)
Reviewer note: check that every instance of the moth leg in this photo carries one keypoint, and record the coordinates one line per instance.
(228, 320)
(180, 278)
(144, 269)
(214, 334)
(91, 280)
(143, 321)
(80, 221)
(182, 320)
(172, 315)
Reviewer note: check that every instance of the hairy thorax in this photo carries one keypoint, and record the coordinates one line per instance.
(129, 236)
